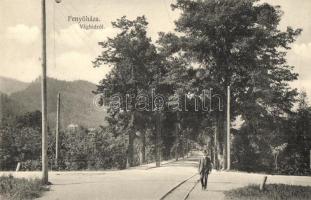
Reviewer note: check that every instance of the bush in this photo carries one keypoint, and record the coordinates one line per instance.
(96, 149)
(31, 165)
(294, 163)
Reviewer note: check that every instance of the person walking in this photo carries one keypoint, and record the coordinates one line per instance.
(205, 167)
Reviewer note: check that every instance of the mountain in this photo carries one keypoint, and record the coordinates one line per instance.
(76, 102)
(9, 85)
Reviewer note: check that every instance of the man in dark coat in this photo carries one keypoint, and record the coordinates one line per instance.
(205, 167)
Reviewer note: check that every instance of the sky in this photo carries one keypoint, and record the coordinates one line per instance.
(71, 49)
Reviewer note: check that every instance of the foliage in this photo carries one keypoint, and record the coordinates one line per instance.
(256, 152)
(7, 150)
(20, 189)
(80, 148)
(239, 43)
(20, 141)
(217, 44)
(295, 159)
(95, 149)
(137, 71)
(272, 191)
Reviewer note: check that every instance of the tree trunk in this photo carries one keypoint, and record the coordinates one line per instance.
(224, 144)
(183, 147)
(176, 141)
(187, 142)
(130, 149)
(158, 138)
(216, 149)
(143, 147)
(276, 161)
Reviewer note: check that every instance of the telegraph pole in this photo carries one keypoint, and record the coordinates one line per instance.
(45, 178)
(57, 130)
(228, 129)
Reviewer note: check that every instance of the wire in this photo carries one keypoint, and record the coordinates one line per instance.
(54, 46)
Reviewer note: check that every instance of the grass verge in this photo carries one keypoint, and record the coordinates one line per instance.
(20, 188)
(272, 191)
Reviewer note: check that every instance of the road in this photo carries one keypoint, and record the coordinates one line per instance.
(147, 183)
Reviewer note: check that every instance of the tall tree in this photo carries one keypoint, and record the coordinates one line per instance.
(239, 43)
(135, 69)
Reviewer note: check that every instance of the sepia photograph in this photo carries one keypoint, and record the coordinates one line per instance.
(155, 100)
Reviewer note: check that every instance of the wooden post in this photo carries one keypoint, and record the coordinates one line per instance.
(263, 183)
(228, 129)
(44, 99)
(18, 166)
(57, 129)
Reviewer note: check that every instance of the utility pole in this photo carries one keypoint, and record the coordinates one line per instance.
(57, 130)
(228, 128)
(45, 178)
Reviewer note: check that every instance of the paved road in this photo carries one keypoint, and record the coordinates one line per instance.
(149, 183)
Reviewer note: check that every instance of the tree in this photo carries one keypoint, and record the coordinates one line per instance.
(295, 159)
(21, 141)
(238, 43)
(136, 68)
(276, 152)
(29, 119)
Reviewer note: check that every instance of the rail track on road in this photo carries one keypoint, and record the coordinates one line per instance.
(183, 189)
